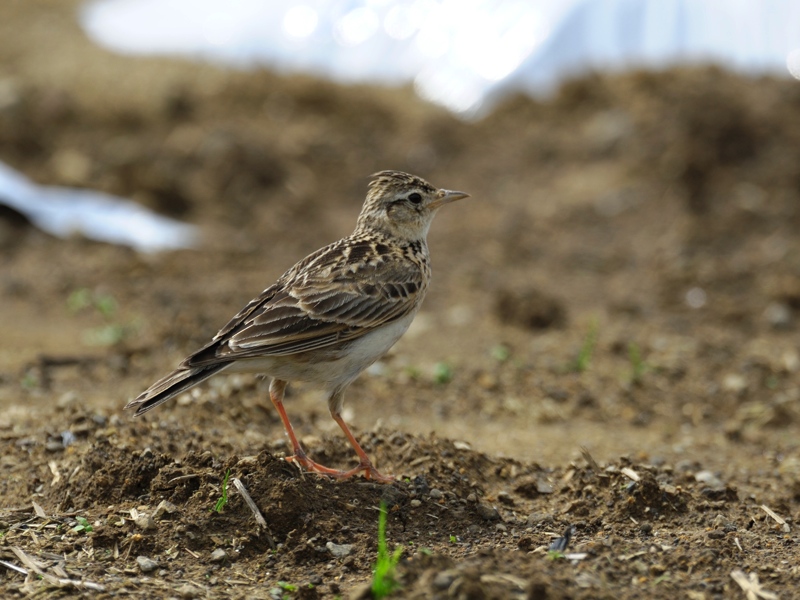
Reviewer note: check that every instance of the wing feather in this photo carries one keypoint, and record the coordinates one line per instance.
(323, 300)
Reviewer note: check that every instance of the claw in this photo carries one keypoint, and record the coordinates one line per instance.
(370, 472)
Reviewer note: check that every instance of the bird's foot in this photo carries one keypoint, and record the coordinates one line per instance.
(370, 472)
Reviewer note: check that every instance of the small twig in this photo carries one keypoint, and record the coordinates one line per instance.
(128, 551)
(778, 519)
(751, 586)
(38, 510)
(182, 478)
(56, 474)
(627, 471)
(29, 562)
(262, 522)
(589, 459)
(51, 579)
(13, 567)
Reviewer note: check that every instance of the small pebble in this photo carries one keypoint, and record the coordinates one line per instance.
(734, 382)
(488, 513)
(505, 498)
(54, 446)
(501, 527)
(339, 550)
(444, 579)
(435, 493)
(779, 315)
(416, 503)
(146, 565)
(709, 478)
(189, 591)
(165, 507)
(218, 555)
(537, 518)
(145, 522)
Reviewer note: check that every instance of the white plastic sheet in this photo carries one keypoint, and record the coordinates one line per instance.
(463, 54)
(63, 211)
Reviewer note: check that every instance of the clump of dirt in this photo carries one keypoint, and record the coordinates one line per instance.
(529, 308)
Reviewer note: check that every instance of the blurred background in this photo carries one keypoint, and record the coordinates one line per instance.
(629, 257)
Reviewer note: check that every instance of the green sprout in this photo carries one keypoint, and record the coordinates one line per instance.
(384, 581)
(442, 373)
(287, 587)
(501, 353)
(83, 525)
(581, 362)
(555, 555)
(83, 298)
(413, 372)
(105, 305)
(29, 381)
(638, 366)
(453, 539)
(661, 578)
(223, 499)
(79, 299)
(105, 335)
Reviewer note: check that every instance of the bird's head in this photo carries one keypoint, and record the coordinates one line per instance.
(402, 205)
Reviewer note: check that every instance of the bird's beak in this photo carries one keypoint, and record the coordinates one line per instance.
(445, 197)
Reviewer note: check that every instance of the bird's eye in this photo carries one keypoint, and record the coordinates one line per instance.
(415, 198)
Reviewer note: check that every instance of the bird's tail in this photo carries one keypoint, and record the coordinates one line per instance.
(173, 384)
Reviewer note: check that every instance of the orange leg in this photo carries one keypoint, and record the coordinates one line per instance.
(364, 464)
(276, 390)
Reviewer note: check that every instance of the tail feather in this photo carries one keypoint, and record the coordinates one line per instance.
(173, 384)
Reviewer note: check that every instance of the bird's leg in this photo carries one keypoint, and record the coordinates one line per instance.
(335, 402)
(364, 463)
(276, 390)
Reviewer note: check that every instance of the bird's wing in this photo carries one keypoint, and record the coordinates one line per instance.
(337, 294)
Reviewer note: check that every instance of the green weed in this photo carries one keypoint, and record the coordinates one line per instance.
(501, 353)
(442, 373)
(581, 362)
(113, 331)
(223, 499)
(83, 525)
(638, 366)
(384, 581)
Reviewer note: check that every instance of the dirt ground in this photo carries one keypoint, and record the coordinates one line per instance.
(609, 348)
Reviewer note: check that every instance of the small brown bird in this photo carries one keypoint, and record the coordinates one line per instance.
(332, 314)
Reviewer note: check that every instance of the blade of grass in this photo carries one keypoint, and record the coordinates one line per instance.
(581, 362)
(223, 499)
(384, 581)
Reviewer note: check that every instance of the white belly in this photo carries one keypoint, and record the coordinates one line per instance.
(332, 367)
